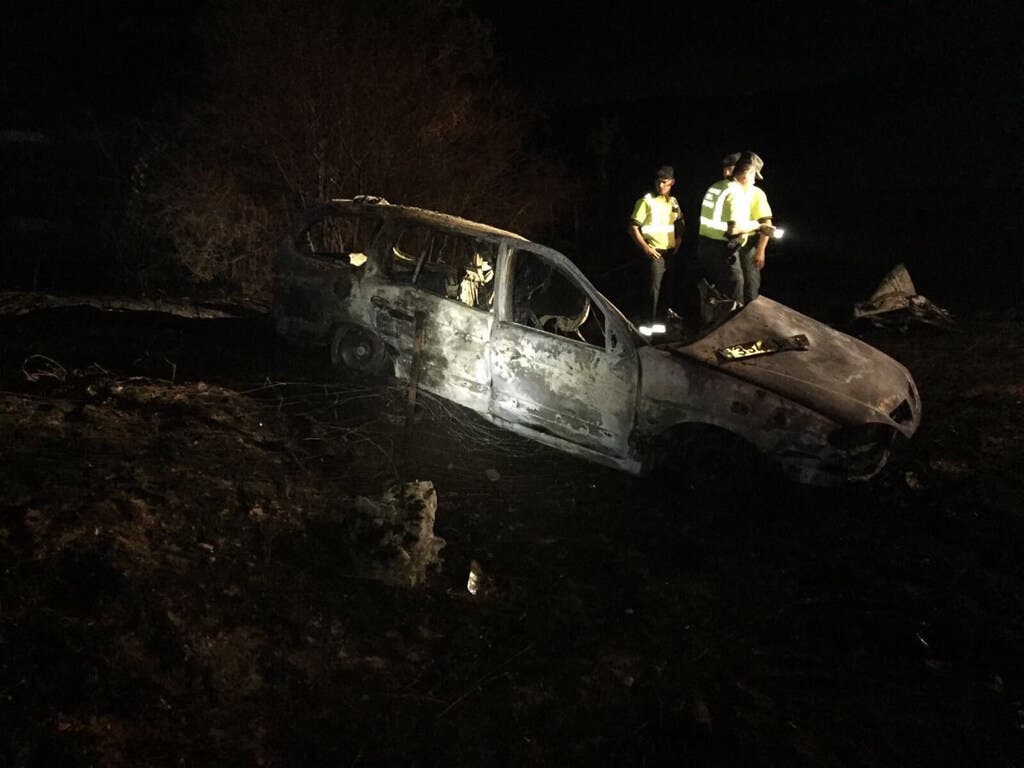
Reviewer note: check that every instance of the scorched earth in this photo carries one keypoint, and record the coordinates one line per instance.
(183, 582)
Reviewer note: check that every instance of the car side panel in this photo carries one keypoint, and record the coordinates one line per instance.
(453, 357)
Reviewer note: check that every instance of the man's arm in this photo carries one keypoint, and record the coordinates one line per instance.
(761, 211)
(764, 234)
(739, 228)
(641, 213)
(680, 227)
(649, 251)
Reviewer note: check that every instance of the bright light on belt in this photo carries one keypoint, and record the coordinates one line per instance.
(778, 233)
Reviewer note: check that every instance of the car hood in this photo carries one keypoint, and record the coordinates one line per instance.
(837, 375)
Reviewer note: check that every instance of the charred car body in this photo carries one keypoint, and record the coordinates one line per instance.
(514, 331)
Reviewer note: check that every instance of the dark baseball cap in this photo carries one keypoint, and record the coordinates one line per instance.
(665, 173)
(730, 159)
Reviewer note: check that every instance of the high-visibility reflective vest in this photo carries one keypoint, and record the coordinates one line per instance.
(725, 201)
(759, 208)
(657, 218)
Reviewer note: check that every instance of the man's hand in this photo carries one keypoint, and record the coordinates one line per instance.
(653, 253)
(759, 259)
(766, 230)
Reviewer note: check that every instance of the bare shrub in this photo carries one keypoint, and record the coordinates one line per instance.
(312, 102)
(218, 231)
(190, 225)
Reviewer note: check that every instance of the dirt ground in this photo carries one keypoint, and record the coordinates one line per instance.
(172, 593)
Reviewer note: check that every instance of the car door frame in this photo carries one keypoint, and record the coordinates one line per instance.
(455, 337)
(565, 392)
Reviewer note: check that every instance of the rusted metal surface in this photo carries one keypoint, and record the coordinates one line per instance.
(532, 346)
(414, 376)
(838, 376)
(565, 388)
(769, 346)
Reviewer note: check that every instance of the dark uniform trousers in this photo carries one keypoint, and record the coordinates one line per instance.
(751, 274)
(658, 269)
(719, 263)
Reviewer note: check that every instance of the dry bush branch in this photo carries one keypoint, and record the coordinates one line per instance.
(42, 367)
(311, 102)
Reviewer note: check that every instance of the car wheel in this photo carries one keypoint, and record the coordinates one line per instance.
(358, 349)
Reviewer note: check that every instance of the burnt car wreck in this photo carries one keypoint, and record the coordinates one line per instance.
(514, 331)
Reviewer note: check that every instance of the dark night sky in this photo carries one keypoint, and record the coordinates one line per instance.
(912, 82)
(887, 129)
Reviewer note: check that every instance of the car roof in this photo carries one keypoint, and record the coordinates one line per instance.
(381, 208)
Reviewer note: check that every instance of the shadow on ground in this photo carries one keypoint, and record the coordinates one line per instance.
(169, 598)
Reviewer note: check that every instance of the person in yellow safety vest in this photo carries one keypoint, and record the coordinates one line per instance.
(725, 225)
(656, 228)
(752, 255)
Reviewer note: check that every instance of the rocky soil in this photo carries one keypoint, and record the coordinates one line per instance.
(177, 588)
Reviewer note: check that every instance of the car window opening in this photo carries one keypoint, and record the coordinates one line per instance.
(446, 264)
(546, 298)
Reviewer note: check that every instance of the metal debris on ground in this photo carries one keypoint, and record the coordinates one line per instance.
(36, 367)
(476, 578)
(896, 302)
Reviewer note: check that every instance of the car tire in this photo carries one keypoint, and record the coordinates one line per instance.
(359, 349)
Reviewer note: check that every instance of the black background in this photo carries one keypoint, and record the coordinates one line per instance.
(889, 131)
